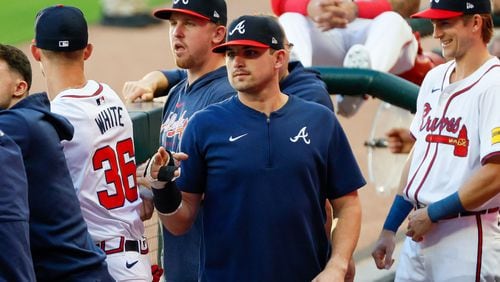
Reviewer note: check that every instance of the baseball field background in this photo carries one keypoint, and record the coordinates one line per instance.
(17, 17)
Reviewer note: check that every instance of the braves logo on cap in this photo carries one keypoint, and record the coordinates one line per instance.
(185, 2)
(256, 31)
(240, 27)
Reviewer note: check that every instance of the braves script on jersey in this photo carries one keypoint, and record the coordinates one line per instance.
(453, 136)
(101, 160)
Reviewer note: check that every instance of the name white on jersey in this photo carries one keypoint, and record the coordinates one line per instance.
(109, 118)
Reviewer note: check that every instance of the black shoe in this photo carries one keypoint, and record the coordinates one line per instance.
(139, 20)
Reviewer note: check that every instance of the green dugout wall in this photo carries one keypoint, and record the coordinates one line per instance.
(146, 118)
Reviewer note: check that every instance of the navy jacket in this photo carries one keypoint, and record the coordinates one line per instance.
(306, 84)
(15, 254)
(61, 246)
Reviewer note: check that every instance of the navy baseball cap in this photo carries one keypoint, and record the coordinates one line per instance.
(210, 10)
(445, 9)
(61, 28)
(256, 31)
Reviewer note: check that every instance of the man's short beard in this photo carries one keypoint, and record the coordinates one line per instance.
(185, 63)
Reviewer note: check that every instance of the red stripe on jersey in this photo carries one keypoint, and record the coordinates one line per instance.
(407, 188)
(479, 257)
(444, 76)
(97, 92)
(426, 174)
(453, 96)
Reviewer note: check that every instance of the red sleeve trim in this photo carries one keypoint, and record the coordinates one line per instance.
(369, 9)
(296, 6)
(485, 159)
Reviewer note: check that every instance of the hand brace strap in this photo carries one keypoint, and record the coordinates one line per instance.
(167, 200)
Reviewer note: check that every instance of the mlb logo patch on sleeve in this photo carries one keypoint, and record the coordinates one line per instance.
(495, 135)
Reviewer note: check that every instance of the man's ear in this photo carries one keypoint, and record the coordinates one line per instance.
(88, 51)
(219, 35)
(35, 52)
(281, 58)
(477, 22)
(21, 89)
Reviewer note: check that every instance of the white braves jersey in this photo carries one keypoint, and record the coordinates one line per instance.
(101, 160)
(457, 127)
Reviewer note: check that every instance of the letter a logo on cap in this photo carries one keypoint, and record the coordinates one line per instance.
(216, 15)
(240, 27)
(469, 6)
